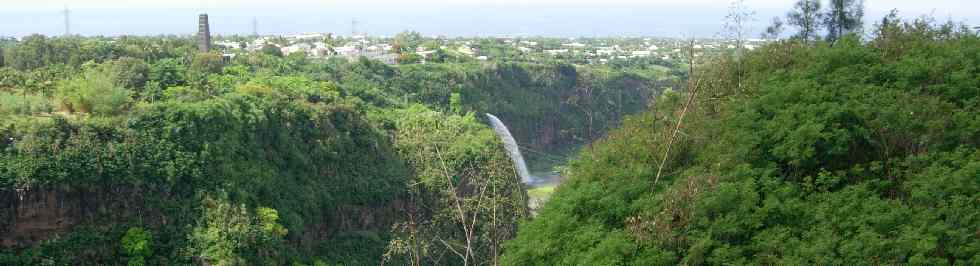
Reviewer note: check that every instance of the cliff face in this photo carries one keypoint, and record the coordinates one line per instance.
(30, 215)
(576, 114)
(321, 171)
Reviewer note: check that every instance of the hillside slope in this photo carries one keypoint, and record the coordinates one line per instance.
(850, 154)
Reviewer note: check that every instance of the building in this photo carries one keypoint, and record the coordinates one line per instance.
(556, 51)
(228, 44)
(203, 34)
(390, 59)
(297, 47)
(605, 51)
(640, 53)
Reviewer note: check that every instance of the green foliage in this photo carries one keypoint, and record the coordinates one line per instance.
(34, 52)
(271, 50)
(547, 107)
(227, 234)
(95, 92)
(37, 51)
(455, 103)
(843, 17)
(130, 73)
(409, 58)
(307, 154)
(806, 16)
(27, 104)
(264, 159)
(136, 244)
(465, 187)
(202, 65)
(860, 153)
(408, 41)
(167, 73)
(268, 221)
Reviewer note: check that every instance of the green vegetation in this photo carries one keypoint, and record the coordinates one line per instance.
(158, 155)
(828, 150)
(541, 192)
(850, 153)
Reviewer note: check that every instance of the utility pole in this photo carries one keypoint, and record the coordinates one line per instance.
(353, 27)
(353, 36)
(67, 22)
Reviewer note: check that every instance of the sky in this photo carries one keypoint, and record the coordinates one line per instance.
(560, 18)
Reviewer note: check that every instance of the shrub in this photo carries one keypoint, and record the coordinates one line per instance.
(136, 243)
(11, 104)
(94, 92)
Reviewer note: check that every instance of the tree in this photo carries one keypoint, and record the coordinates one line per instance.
(466, 198)
(230, 234)
(95, 91)
(32, 52)
(332, 41)
(271, 49)
(409, 58)
(456, 103)
(408, 41)
(806, 16)
(130, 73)
(137, 244)
(203, 65)
(736, 23)
(167, 73)
(843, 17)
(210, 63)
(774, 30)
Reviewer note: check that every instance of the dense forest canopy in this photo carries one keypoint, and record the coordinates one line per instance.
(845, 152)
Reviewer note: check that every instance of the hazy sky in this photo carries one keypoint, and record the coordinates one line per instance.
(919, 5)
(670, 18)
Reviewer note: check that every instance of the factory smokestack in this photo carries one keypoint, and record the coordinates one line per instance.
(203, 34)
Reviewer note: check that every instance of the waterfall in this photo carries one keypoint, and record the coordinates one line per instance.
(512, 149)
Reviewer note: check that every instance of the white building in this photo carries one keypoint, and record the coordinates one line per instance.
(297, 47)
(556, 51)
(605, 51)
(640, 53)
(529, 43)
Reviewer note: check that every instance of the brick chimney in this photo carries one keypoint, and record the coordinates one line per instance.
(203, 34)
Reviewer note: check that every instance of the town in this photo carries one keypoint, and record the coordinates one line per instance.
(412, 47)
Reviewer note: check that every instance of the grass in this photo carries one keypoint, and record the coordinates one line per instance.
(541, 192)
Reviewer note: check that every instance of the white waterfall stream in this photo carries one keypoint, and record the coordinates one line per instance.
(512, 149)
